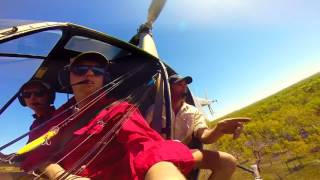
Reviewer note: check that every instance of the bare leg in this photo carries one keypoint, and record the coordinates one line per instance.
(222, 164)
(164, 171)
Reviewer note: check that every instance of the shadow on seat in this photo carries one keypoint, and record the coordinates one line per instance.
(194, 144)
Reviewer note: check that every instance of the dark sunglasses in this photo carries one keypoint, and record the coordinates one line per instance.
(35, 93)
(81, 70)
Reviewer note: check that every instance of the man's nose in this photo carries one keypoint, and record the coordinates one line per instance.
(32, 96)
(89, 72)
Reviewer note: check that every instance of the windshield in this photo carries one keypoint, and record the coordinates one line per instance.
(19, 60)
(83, 44)
(15, 72)
(39, 44)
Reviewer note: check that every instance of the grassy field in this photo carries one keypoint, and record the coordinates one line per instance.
(309, 169)
(284, 134)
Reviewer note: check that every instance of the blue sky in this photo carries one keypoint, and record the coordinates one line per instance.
(236, 51)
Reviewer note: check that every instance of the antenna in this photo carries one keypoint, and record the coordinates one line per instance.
(209, 103)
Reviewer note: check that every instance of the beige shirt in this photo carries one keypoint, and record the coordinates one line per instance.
(188, 120)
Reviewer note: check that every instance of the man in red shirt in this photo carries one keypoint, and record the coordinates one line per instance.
(132, 149)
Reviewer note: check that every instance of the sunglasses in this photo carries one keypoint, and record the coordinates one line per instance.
(81, 70)
(35, 93)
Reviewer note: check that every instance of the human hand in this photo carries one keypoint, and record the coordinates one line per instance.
(232, 126)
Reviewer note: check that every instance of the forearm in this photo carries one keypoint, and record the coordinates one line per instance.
(209, 136)
(227, 126)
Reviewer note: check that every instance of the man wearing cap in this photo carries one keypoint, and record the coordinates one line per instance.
(135, 151)
(39, 97)
(189, 122)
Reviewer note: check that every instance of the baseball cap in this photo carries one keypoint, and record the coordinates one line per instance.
(175, 78)
(90, 55)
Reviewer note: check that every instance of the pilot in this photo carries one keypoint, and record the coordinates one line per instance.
(39, 97)
(135, 152)
(189, 122)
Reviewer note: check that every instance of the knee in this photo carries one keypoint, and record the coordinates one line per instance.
(167, 171)
(228, 162)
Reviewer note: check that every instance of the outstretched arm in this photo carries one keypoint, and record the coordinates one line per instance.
(226, 126)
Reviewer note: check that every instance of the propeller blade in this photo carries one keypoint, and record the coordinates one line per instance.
(154, 10)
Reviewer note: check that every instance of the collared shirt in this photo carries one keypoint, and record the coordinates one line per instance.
(187, 122)
(135, 148)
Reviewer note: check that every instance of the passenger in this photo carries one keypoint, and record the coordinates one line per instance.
(189, 122)
(38, 96)
(135, 152)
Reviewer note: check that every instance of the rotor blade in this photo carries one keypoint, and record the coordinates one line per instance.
(154, 10)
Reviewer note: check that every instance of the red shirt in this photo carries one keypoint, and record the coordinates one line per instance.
(38, 121)
(128, 156)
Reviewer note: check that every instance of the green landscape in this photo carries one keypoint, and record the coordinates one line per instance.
(283, 137)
